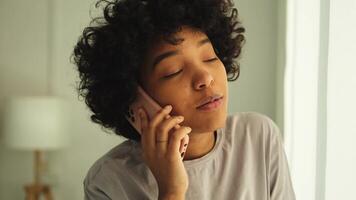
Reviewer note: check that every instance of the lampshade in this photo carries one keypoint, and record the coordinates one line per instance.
(37, 122)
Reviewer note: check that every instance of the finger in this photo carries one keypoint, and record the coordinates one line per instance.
(175, 141)
(159, 117)
(166, 125)
(164, 130)
(150, 128)
(146, 142)
(176, 126)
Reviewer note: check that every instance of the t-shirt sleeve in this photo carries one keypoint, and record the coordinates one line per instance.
(281, 187)
(100, 184)
(91, 192)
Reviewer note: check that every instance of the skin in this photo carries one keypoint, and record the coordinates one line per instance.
(198, 79)
(201, 74)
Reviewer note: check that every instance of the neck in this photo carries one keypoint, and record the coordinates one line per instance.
(199, 145)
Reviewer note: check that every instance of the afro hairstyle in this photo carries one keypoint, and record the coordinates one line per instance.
(108, 53)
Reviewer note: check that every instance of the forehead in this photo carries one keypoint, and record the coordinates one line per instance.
(187, 36)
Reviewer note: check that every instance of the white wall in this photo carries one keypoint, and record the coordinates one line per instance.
(320, 95)
(22, 71)
(25, 54)
(24, 57)
(301, 94)
(256, 87)
(341, 97)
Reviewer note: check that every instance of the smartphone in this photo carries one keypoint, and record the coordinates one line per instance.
(151, 107)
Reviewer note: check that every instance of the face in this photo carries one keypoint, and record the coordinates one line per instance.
(186, 74)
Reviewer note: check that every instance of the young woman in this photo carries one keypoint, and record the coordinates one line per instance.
(181, 53)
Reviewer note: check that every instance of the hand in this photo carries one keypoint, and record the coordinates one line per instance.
(163, 158)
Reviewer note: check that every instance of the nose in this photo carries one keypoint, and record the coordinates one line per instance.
(203, 79)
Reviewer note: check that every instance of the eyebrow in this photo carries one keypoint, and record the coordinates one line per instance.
(175, 52)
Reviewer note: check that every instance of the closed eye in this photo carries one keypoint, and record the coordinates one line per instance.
(210, 60)
(171, 75)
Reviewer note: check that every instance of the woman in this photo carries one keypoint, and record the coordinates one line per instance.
(181, 53)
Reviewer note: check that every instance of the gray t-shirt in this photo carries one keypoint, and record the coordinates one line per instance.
(247, 162)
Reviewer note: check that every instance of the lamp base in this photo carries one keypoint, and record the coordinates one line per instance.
(34, 191)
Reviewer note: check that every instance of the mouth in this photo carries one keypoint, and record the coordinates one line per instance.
(211, 103)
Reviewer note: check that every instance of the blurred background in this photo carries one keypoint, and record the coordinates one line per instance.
(297, 67)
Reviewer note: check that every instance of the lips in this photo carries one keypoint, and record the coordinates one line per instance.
(209, 99)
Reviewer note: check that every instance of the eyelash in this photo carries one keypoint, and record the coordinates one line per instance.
(171, 75)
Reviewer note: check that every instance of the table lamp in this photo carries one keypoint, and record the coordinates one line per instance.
(35, 123)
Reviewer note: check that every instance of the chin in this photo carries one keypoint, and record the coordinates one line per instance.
(210, 123)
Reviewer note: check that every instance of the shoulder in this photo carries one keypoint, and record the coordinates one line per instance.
(120, 174)
(253, 125)
(104, 168)
(251, 118)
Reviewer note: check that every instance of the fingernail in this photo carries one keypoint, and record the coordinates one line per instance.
(168, 107)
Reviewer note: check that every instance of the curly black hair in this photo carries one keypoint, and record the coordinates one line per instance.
(110, 50)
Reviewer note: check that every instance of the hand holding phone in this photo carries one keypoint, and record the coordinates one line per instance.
(163, 158)
(152, 108)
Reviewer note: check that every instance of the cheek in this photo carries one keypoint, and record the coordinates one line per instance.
(176, 95)
(182, 103)
(222, 71)
(222, 77)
